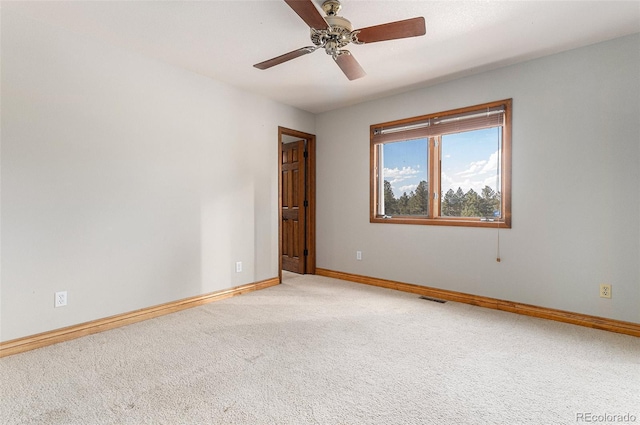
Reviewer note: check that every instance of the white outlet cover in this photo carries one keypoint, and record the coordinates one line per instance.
(60, 299)
(238, 266)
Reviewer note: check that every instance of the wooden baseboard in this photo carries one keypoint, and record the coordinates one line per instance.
(32, 342)
(595, 322)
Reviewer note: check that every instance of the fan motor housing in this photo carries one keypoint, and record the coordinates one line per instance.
(338, 22)
(335, 37)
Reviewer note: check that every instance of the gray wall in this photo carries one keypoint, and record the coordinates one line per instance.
(125, 181)
(576, 197)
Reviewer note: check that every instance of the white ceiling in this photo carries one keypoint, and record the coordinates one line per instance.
(223, 39)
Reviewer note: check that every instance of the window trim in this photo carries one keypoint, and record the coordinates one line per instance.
(505, 189)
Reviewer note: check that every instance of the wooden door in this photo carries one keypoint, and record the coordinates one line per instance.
(293, 207)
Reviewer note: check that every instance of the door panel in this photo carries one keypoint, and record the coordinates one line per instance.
(293, 213)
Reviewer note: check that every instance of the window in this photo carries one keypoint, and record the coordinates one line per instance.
(449, 168)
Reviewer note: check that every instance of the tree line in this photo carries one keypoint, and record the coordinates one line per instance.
(453, 204)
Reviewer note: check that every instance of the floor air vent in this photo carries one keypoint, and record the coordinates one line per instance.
(435, 300)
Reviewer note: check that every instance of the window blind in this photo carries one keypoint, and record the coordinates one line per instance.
(439, 125)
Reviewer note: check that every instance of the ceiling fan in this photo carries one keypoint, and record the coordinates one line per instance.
(334, 32)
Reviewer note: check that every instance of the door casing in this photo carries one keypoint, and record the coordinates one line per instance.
(310, 192)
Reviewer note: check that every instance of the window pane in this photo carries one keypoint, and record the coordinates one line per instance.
(404, 178)
(471, 176)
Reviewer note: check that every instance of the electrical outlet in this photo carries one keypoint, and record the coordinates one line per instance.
(605, 290)
(358, 255)
(60, 299)
(238, 266)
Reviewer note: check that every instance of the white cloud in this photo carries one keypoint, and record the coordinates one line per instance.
(477, 175)
(477, 168)
(474, 168)
(408, 188)
(397, 175)
(491, 181)
(476, 182)
(492, 164)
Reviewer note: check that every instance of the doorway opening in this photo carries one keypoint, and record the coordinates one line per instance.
(296, 201)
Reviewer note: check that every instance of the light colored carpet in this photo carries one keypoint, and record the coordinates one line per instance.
(316, 350)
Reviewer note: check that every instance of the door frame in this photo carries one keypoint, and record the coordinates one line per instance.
(310, 192)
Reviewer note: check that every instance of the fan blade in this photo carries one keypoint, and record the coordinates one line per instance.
(393, 30)
(308, 12)
(349, 65)
(286, 57)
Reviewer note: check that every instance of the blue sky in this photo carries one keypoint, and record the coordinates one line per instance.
(469, 160)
